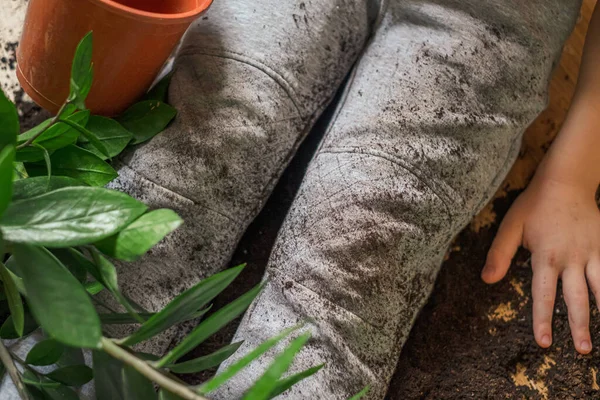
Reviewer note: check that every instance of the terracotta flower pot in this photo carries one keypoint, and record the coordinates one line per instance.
(132, 40)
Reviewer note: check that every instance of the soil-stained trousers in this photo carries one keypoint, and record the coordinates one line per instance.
(438, 95)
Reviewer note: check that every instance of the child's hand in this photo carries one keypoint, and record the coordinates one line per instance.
(560, 224)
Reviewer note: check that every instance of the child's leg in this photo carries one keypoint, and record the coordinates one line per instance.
(249, 81)
(430, 125)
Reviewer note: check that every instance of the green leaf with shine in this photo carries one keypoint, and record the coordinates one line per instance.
(110, 133)
(46, 352)
(243, 362)
(78, 163)
(206, 362)
(32, 187)
(286, 383)
(185, 304)
(56, 299)
(71, 216)
(146, 119)
(56, 137)
(91, 138)
(82, 72)
(265, 385)
(210, 326)
(139, 237)
(7, 157)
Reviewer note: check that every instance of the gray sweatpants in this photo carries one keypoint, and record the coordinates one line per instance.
(431, 119)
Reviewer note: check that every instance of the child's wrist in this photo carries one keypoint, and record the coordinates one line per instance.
(578, 180)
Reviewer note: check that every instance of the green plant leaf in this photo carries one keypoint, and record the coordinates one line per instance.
(29, 378)
(71, 216)
(82, 72)
(108, 277)
(243, 362)
(54, 131)
(78, 163)
(360, 394)
(72, 375)
(60, 393)
(146, 119)
(166, 395)
(15, 304)
(56, 137)
(13, 271)
(31, 187)
(108, 381)
(136, 386)
(56, 299)
(90, 137)
(109, 132)
(46, 352)
(262, 389)
(7, 157)
(70, 258)
(210, 326)
(122, 319)
(67, 110)
(139, 237)
(290, 381)
(19, 172)
(46, 156)
(185, 304)
(93, 288)
(36, 130)
(7, 331)
(160, 90)
(206, 362)
(9, 122)
(74, 260)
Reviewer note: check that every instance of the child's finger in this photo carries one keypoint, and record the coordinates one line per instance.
(543, 291)
(505, 245)
(575, 291)
(592, 272)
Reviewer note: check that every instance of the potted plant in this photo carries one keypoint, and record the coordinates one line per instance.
(133, 39)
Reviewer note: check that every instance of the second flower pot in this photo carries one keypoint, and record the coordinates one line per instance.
(132, 40)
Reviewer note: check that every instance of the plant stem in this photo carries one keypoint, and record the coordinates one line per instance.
(52, 123)
(149, 372)
(13, 372)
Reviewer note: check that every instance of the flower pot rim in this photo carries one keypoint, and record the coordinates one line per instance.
(154, 17)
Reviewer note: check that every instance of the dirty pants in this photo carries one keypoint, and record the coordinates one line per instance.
(438, 94)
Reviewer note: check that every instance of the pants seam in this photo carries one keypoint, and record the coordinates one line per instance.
(424, 179)
(261, 66)
(143, 177)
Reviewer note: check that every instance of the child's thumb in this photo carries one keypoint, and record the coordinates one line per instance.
(505, 245)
